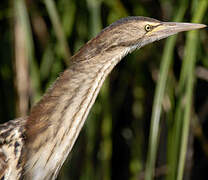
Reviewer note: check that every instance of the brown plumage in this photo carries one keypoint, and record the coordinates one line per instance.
(35, 147)
(12, 141)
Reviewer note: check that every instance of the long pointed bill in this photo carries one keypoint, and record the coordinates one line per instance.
(166, 29)
(174, 27)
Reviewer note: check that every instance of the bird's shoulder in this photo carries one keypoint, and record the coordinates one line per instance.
(11, 144)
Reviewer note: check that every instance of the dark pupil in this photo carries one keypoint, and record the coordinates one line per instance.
(148, 27)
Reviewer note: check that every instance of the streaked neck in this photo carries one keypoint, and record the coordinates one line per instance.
(56, 121)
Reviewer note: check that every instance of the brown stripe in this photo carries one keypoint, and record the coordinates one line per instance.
(70, 144)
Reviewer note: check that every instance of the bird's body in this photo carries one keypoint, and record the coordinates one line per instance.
(48, 134)
(12, 142)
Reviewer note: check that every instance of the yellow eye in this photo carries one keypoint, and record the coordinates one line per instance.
(148, 27)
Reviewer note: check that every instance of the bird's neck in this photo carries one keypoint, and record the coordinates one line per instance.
(55, 122)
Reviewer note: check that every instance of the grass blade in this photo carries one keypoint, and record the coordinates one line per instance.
(21, 11)
(53, 14)
(159, 95)
(190, 61)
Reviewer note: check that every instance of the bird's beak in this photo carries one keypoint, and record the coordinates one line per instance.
(173, 27)
(166, 29)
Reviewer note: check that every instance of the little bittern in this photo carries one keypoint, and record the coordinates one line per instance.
(35, 147)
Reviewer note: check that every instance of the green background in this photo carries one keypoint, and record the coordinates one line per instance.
(159, 90)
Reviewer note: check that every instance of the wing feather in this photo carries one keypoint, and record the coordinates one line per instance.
(11, 144)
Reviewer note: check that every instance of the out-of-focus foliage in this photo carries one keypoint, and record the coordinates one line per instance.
(37, 39)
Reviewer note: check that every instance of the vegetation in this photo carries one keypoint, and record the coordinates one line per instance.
(150, 119)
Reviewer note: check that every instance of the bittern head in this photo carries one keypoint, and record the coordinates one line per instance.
(128, 34)
(135, 32)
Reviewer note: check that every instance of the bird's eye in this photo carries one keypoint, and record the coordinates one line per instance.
(148, 27)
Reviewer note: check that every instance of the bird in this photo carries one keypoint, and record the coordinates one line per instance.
(35, 147)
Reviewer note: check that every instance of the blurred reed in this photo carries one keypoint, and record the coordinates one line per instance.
(115, 142)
